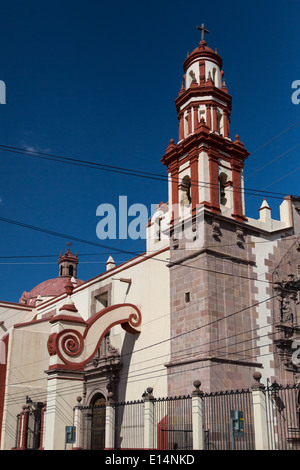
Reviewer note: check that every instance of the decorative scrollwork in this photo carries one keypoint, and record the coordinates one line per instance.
(76, 349)
(70, 342)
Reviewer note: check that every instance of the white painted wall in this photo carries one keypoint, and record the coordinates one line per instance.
(209, 67)
(203, 177)
(262, 248)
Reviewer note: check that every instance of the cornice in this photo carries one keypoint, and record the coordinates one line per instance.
(203, 91)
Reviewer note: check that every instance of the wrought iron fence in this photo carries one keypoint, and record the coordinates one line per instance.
(173, 423)
(31, 428)
(34, 428)
(283, 416)
(228, 421)
(220, 433)
(129, 425)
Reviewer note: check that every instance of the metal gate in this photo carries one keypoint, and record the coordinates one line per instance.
(283, 416)
(218, 410)
(98, 424)
(173, 418)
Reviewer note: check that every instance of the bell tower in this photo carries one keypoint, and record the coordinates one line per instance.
(68, 263)
(205, 158)
(208, 234)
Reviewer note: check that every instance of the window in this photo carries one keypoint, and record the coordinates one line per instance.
(187, 296)
(185, 189)
(102, 299)
(222, 186)
(214, 75)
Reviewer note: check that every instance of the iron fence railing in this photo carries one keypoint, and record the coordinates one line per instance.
(218, 427)
(129, 425)
(173, 423)
(228, 421)
(283, 416)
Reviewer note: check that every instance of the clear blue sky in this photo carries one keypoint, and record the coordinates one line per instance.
(97, 81)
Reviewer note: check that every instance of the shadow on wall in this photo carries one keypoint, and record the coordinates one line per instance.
(126, 354)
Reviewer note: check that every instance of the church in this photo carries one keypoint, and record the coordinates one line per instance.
(215, 297)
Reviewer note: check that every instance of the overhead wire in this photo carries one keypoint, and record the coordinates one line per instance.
(69, 237)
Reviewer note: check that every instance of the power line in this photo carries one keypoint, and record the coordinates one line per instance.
(129, 171)
(80, 240)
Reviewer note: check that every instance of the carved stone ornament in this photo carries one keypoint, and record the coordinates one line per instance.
(216, 231)
(239, 237)
(286, 328)
(75, 348)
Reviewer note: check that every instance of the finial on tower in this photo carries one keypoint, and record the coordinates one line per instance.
(203, 31)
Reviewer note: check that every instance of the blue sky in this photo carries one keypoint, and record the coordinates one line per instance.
(97, 81)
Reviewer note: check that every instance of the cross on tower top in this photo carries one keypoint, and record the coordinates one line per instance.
(69, 244)
(203, 30)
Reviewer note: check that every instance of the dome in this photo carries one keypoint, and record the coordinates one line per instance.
(46, 289)
(56, 286)
(203, 51)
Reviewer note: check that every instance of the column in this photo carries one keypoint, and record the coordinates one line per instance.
(226, 123)
(237, 191)
(194, 179)
(58, 381)
(202, 72)
(181, 127)
(175, 182)
(78, 425)
(196, 118)
(198, 417)
(215, 123)
(42, 436)
(149, 420)
(214, 181)
(23, 428)
(259, 413)
(109, 423)
(208, 116)
(189, 121)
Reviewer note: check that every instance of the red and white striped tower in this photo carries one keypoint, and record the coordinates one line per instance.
(204, 149)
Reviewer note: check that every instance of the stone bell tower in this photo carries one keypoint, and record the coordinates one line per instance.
(205, 169)
(205, 162)
(68, 263)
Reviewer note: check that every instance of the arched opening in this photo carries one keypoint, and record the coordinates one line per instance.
(192, 77)
(185, 188)
(98, 423)
(71, 270)
(222, 186)
(214, 71)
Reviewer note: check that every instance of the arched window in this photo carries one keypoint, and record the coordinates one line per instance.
(222, 186)
(192, 76)
(214, 75)
(185, 189)
(71, 270)
(98, 423)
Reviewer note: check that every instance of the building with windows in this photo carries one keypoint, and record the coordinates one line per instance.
(214, 297)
